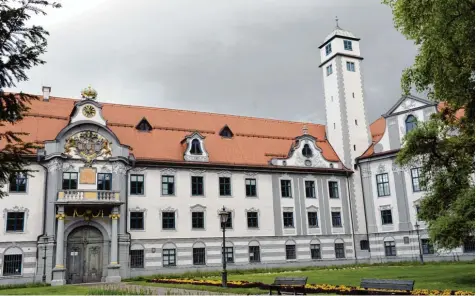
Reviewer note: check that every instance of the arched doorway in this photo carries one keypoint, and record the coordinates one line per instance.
(84, 255)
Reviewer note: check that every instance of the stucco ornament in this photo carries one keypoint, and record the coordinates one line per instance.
(88, 145)
(408, 104)
(89, 93)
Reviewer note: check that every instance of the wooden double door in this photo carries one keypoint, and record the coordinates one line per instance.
(84, 255)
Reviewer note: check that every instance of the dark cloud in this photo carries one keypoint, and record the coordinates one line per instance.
(255, 58)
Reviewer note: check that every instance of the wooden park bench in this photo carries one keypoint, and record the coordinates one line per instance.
(401, 285)
(289, 285)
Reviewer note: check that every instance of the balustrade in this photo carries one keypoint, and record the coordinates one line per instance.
(88, 195)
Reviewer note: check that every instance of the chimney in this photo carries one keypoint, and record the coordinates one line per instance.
(46, 93)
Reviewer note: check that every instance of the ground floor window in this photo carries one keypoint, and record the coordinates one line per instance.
(169, 257)
(468, 246)
(427, 247)
(198, 256)
(254, 254)
(340, 250)
(229, 255)
(290, 252)
(390, 249)
(12, 264)
(315, 251)
(137, 258)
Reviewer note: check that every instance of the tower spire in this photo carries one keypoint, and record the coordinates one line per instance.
(337, 23)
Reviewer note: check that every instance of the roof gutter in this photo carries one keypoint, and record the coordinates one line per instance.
(365, 207)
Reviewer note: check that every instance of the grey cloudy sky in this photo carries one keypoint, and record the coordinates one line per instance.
(244, 57)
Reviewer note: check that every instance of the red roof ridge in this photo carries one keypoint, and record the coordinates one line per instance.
(46, 116)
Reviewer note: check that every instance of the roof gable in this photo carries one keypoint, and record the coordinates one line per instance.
(406, 103)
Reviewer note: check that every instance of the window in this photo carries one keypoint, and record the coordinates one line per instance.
(18, 182)
(306, 151)
(137, 184)
(254, 254)
(250, 186)
(386, 217)
(364, 244)
(336, 219)
(310, 189)
(196, 147)
(427, 247)
(229, 222)
(104, 181)
(383, 187)
(226, 132)
(355, 147)
(390, 249)
(328, 49)
(406, 240)
(417, 208)
(137, 258)
(468, 246)
(144, 125)
(252, 219)
(410, 123)
(168, 185)
(229, 255)
(70, 181)
(290, 252)
(197, 185)
(350, 66)
(169, 257)
(12, 264)
(333, 189)
(137, 220)
(15, 221)
(198, 221)
(288, 219)
(356, 122)
(225, 186)
(168, 220)
(286, 188)
(340, 250)
(348, 45)
(198, 256)
(312, 219)
(417, 180)
(329, 70)
(316, 251)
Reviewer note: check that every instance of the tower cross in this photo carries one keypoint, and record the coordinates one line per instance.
(337, 22)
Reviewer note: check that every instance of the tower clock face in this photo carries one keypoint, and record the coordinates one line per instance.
(89, 111)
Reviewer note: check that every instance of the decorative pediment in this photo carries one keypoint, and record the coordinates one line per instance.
(224, 173)
(168, 209)
(195, 148)
(137, 209)
(197, 172)
(88, 146)
(336, 209)
(55, 165)
(198, 208)
(105, 169)
(16, 209)
(304, 153)
(168, 171)
(312, 209)
(119, 168)
(381, 169)
(407, 103)
(68, 167)
(252, 210)
(385, 207)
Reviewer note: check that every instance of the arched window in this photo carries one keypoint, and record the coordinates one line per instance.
(410, 123)
(12, 261)
(196, 149)
(306, 151)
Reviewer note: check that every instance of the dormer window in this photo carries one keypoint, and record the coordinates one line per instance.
(196, 148)
(306, 151)
(328, 49)
(226, 132)
(144, 126)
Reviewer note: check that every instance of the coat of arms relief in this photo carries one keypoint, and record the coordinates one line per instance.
(88, 146)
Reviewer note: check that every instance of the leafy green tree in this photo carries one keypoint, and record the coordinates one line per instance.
(21, 45)
(443, 146)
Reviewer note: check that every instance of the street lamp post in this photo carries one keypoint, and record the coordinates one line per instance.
(417, 227)
(223, 218)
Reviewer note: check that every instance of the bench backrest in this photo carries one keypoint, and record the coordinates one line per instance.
(297, 281)
(406, 285)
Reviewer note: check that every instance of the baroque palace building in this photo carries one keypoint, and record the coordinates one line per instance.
(120, 191)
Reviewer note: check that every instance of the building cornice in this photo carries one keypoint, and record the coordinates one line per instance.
(342, 55)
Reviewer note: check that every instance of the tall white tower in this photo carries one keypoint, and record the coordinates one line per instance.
(347, 128)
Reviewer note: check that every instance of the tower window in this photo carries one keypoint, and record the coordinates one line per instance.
(196, 149)
(332, 98)
(329, 70)
(353, 95)
(334, 125)
(354, 147)
(351, 66)
(410, 123)
(306, 151)
(328, 49)
(348, 45)
(356, 122)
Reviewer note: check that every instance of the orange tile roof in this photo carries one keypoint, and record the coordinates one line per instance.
(255, 141)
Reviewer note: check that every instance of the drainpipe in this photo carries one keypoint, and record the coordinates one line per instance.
(127, 211)
(38, 159)
(365, 209)
(351, 218)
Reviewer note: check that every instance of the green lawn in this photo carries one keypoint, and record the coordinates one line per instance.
(455, 276)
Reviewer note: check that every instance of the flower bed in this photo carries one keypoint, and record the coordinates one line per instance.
(311, 288)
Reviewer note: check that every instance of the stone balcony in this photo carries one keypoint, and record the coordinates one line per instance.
(83, 197)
